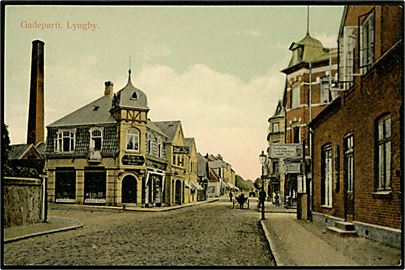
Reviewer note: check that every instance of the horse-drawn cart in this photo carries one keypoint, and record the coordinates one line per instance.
(241, 200)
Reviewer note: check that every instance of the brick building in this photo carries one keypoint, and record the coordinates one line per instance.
(276, 182)
(310, 74)
(357, 139)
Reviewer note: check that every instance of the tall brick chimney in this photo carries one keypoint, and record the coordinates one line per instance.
(35, 133)
(108, 91)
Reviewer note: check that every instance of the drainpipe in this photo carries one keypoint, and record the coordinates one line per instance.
(44, 199)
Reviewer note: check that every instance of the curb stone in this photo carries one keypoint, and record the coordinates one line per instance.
(271, 244)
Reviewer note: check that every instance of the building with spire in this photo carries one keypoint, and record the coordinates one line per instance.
(310, 76)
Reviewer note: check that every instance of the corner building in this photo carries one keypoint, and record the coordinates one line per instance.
(108, 152)
(310, 76)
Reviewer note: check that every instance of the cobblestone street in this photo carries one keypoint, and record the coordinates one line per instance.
(211, 234)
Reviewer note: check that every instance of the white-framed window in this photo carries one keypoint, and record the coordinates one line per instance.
(349, 162)
(132, 139)
(276, 127)
(384, 153)
(65, 140)
(347, 45)
(160, 147)
(96, 138)
(326, 176)
(326, 96)
(295, 96)
(367, 43)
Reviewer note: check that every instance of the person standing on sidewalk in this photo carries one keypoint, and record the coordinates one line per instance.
(262, 198)
(230, 196)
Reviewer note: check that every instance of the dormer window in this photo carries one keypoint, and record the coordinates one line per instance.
(65, 141)
(134, 96)
(96, 138)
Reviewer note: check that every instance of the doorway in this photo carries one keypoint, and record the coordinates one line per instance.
(129, 189)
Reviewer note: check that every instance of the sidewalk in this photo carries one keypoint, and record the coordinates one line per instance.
(54, 224)
(300, 243)
(58, 224)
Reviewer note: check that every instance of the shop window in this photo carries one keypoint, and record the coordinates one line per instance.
(65, 184)
(65, 141)
(326, 176)
(384, 153)
(133, 139)
(94, 185)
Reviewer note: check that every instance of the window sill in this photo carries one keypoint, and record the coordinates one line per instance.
(326, 206)
(382, 194)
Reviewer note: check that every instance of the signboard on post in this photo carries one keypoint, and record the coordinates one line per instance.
(286, 150)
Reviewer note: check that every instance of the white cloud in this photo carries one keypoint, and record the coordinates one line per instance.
(253, 33)
(224, 114)
(328, 41)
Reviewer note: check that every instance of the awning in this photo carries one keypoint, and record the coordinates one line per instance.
(187, 185)
(198, 186)
(225, 184)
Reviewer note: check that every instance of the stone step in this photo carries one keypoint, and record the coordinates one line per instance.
(341, 232)
(347, 226)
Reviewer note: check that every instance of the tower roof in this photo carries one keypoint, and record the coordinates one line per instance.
(130, 97)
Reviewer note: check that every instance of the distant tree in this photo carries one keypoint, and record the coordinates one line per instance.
(242, 184)
(258, 183)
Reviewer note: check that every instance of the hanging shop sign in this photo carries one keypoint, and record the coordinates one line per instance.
(133, 160)
(286, 150)
(180, 149)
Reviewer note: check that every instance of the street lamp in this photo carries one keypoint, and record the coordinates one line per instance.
(263, 159)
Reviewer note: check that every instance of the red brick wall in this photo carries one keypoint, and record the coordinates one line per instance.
(377, 92)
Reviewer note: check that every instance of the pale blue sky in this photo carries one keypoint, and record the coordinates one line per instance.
(215, 68)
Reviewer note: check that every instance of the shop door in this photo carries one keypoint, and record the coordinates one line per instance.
(129, 189)
(178, 192)
(349, 179)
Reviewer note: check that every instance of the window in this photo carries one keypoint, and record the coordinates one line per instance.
(160, 147)
(296, 132)
(367, 43)
(94, 185)
(96, 138)
(325, 90)
(384, 153)
(134, 95)
(132, 139)
(65, 184)
(275, 167)
(326, 176)
(349, 163)
(347, 44)
(276, 128)
(295, 96)
(65, 141)
(149, 144)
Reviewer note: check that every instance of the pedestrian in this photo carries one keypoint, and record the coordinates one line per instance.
(277, 199)
(230, 196)
(262, 197)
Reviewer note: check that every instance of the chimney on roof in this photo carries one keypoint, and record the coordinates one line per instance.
(109, 91)
(35, 132)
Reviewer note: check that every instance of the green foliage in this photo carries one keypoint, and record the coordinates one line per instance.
(243, 185)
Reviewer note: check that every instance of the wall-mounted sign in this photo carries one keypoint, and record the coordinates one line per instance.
(286, 150)
(180, 150)
(293, 167)
(133, 160)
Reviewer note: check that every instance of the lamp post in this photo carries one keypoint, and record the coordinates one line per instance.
(263, 159)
